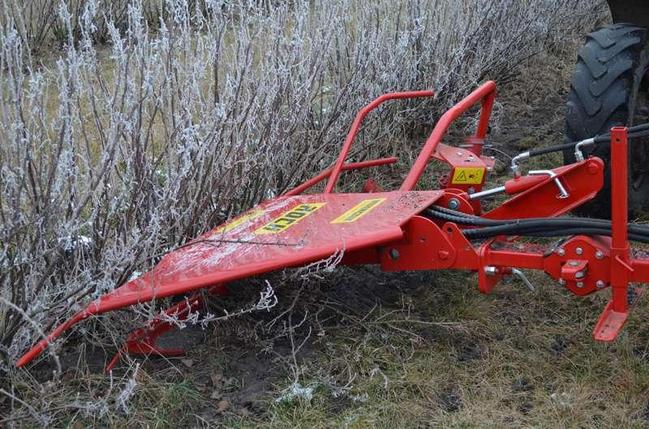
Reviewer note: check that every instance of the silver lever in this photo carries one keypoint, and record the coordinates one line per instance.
(521, 275)
(563, 193)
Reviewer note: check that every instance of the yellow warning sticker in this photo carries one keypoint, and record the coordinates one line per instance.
(289, 218)
(468, 175)
(239, 221)
(358, 211)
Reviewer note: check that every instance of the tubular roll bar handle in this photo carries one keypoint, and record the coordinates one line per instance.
(486, 93)
(351, 166)
(360, 116)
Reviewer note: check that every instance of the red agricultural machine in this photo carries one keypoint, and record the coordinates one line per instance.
(446, 228)
(410, 229)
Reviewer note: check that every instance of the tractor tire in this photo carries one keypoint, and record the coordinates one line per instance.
(608, 89)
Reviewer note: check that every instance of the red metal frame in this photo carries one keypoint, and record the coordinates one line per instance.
(537, 195)
(617, 310)
(143, 341)
(389, 229)
(356, 125)
(345, 167)
(485, 94)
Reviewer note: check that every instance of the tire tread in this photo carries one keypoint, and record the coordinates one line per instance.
(601, 94)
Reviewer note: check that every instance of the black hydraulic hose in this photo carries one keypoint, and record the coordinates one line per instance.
(453, 212)
(585, 231)
(555, 222)
(439, 210)
(633, 133)
(516, 230)
(534, 227)
(525, 227)
(565, 146)
(522, 229)
(582, 231)
(544, 231)
(462, 220)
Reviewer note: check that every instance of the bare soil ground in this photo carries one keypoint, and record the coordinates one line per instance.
(390, 350)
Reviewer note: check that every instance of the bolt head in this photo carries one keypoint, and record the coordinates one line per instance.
(580, 284)
(579, 250)
(490, 270)
(599, 254)
(560, 251)
(600, 284)
(454, 204)
(394, 254)
(579, 274)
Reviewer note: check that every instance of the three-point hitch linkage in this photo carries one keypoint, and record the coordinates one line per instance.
(410, 229)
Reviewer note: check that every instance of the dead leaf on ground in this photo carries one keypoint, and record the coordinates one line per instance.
(222, 405)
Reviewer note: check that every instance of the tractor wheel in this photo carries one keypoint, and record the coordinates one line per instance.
(609, 88)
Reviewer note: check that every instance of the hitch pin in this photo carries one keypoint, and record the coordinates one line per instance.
(563, 193)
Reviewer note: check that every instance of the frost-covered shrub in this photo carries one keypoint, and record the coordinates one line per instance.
(39, 25)
(112, 154)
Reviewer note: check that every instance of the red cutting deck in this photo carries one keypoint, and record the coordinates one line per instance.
(280, 233)
(284, 232)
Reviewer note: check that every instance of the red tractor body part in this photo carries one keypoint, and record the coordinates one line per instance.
(393, 230)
